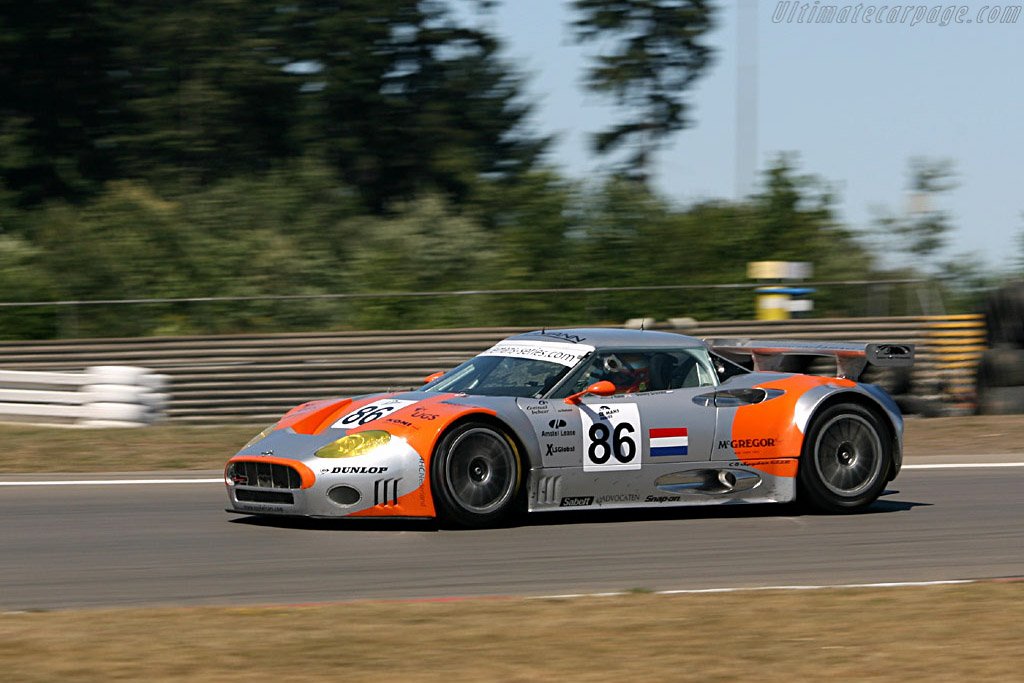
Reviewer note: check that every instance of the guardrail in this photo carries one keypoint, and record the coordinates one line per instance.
(103, 396)
(255, 378)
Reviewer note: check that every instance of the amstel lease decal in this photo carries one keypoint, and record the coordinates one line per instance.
(553, 352)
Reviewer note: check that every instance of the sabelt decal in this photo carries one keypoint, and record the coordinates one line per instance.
(669, 442)
(553, 352)
(611, 437)
(576, 501)
(370, 412)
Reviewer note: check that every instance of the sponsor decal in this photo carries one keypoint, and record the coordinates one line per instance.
(576, 501)
(422, 467)
(555, 450)
(370, 412)
(261, 508)
(661, 499)
(573, 338)
(620, 498)
(538, 408)
(353, 470)
(557, 429)
(670, 441)
(552, 352)
(402, 423)
(739, 444)
(759, 463)
(421, 413)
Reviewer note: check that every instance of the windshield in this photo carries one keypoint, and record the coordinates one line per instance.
(522, 368)
(501, 376)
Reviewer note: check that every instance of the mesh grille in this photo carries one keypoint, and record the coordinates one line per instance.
(264, 475)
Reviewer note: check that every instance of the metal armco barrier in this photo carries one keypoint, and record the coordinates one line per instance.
(101, 396)
(256, 378)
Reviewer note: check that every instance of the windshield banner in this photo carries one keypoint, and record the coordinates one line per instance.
(553, 352)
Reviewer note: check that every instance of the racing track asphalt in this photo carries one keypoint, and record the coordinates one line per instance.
(172, 544)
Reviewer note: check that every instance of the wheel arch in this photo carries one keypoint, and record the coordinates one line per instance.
(491, 420)
(442, 502)
(893, 432)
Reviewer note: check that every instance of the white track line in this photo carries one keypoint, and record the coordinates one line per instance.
(111, 482)
(963, 466)
(219, 480)
(748, 589)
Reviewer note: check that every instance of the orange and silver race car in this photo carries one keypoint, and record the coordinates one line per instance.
(587, 419)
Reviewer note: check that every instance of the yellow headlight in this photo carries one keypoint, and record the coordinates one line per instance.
(354, 444)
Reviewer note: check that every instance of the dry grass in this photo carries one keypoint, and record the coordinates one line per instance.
(48, 449)
(948, 633)
(163, 447)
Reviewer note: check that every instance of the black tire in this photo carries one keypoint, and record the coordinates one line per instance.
(475, 475)
(1001, 367)
(994, 400)
(845, 461)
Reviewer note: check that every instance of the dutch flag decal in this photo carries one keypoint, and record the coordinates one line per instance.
(671, 441)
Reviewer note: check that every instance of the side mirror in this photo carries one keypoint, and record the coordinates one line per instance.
(602, 388)
(431, 378)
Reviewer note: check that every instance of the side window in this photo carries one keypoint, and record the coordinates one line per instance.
(682, 369)
(648, 370)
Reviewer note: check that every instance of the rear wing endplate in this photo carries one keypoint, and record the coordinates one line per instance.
(851, 358)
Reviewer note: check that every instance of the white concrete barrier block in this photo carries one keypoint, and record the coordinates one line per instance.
(116, 374)
(121, 412)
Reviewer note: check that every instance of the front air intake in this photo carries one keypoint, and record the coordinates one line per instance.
(263, 474)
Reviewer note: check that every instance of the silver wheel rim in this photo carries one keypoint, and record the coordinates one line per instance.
(480, 471)
(848, 455)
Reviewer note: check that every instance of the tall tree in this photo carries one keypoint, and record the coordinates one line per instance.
(658, 56)
(402, 99)
(58, 105)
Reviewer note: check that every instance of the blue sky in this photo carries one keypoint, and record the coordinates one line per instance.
(855, 101)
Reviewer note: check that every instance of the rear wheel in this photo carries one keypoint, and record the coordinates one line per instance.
(845, 460)
(475, 475)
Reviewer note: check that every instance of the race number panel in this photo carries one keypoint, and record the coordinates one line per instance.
(612, 438)
(370, 412)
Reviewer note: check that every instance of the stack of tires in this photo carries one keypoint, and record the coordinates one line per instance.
(1000, 378)
(123, 396)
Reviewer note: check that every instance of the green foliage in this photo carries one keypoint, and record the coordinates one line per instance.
(394, 95)
(253, 149)
(23, 278)
(659, 56)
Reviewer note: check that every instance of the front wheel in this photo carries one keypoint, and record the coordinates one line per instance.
(475, 475)
(845, 460)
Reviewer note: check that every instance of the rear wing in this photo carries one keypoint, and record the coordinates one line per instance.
(851, 358)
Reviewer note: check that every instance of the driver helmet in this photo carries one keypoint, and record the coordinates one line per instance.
(628, 372)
